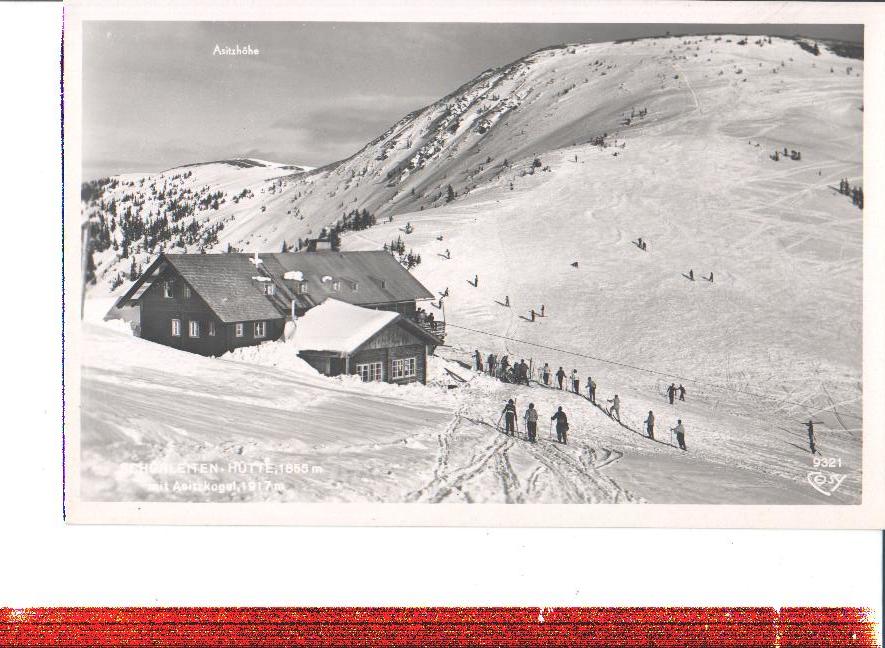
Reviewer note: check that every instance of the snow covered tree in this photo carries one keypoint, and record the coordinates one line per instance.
(450, 194)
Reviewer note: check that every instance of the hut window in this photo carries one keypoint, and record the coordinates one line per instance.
(370, 372)
(176, 328)
(211, 329)
(356, 286)
(187, 292)
(404, 368)
(167, 289)
(269, 289)
(260, 329)
(238, 330)
(194, 330)
(336, 286)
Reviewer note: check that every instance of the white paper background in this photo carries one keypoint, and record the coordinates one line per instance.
(48, 563)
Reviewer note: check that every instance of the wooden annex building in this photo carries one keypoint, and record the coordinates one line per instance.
(337, 338)
(213, 303)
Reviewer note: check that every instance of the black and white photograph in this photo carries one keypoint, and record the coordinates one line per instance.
(466, 263)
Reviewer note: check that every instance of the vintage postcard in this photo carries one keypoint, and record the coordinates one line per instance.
(519, 265)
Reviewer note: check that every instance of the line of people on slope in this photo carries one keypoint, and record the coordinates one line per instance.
(520, 374)
(530, 419)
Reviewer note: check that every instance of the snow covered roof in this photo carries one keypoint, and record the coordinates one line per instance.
(339, 327)
(379, 277)
(228, 282)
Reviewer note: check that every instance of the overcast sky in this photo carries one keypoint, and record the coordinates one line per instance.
(155, 96)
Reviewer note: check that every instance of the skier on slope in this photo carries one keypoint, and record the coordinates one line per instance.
(509, 418)
(691, 274)
(592, 390)
(478, 356)
(522, 375)
(680, 434)
(681, 392)
(505, 363)
(561, 425)
(810, 426)
(615, 408)
(476, 281)
(545, 372)
(560, 376)
(650, 425)
(576, 382)
(492, 361)
(507, 300)
(531, 423)
(671, 392)
(542, 310)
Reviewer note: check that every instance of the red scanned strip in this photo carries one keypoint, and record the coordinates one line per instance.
(624, 627)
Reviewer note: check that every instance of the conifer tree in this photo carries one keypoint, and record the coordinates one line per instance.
(90, 269)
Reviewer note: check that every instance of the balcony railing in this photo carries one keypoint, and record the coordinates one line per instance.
(435, 328)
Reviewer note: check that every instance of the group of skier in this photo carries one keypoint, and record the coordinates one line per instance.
(690, 275)
(856, 193)
(678, 430)
(520, 373)
(502, 369)
(532, 312)
(560, 419)
(673, 389)
(573, 384)
(530, 419)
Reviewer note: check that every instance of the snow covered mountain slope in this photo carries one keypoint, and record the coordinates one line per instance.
(773, 340)
(134, 216)
(493, 127)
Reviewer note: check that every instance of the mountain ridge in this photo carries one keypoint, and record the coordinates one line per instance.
(493, 125)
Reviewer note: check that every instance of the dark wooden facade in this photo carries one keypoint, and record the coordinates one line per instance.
(213, 337)
(405, 308)
(394, 349)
